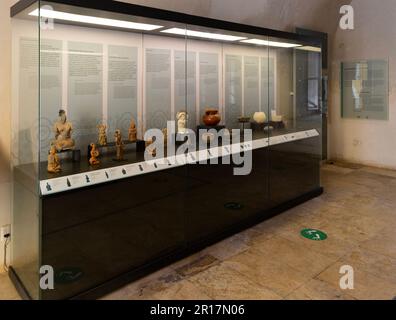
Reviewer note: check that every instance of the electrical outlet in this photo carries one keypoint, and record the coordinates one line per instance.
(3, 231)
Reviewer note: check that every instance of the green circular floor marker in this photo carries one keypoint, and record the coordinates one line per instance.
(233, 206)
(315, 235)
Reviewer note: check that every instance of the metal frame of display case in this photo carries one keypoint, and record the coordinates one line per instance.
(274, 152)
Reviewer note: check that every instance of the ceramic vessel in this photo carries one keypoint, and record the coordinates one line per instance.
(260, 117)
(212, 117)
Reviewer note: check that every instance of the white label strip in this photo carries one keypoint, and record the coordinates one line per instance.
(77, 181)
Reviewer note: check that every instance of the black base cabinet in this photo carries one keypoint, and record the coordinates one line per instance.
(109, 235)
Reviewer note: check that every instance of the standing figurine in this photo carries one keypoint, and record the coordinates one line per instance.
(63, 130)
(150, 149)
(119, 145)
(102, 134)
(53, 161)
(132, 137)
(165, 133)
(182, 118)
(94, 155)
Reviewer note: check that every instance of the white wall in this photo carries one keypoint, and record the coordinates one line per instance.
(369, 142)
(5, 115)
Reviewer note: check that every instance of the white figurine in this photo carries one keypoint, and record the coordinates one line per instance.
(182, 118)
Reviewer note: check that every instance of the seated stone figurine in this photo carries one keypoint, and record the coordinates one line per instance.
(53, 161)
(63, 130)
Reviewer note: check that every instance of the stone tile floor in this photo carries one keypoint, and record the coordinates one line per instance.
(272, 260)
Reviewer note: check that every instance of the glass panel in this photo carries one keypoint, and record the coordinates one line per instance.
(112, 73)
(25, 146)
(295, 121)
(230, 80)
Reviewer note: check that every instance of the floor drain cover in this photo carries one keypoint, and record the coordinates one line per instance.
(233, 206)
(315, 235)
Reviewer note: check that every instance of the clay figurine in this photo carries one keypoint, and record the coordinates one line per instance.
(182, 118)
(94, 155)
(119, 145)
(150, 149)
(211, 117)
(102, 137)
(53, 161)
(63, 130)
(132, 137)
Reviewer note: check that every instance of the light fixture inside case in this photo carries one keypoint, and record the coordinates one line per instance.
(309, 48)
(271, 43)
(200, 34)
(52, 14)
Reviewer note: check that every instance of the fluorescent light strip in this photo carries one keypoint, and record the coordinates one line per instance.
(309, 48)
(271, 43)
(51, 14)
(199, 34)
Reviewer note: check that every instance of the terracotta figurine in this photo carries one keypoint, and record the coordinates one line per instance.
(119, 145)
(53, 161)
(132, 132)
(63, 130)
(94, 155)
(182, 118)
(102, 134)
(150, 149)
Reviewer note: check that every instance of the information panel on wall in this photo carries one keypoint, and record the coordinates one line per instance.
(365, 89)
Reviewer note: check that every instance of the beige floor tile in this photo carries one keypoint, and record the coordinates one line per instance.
(294, 255)
(183, 290)
(336, 169)
(222, 283)
(197, 266)
(7, 289)
(271, 274)
(145, 288)
(333, 247)
(379, 265)
(366, 285)
(230, 247)
(318, 290)
(379, 171)
(384, 242)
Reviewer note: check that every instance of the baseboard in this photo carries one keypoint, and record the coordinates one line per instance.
(18, 284)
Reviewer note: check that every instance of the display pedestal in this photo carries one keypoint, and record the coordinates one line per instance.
(76, 154)
(203, 127)
(140, 146)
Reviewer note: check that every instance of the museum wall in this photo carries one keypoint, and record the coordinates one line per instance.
(5, 114)
(370, 142)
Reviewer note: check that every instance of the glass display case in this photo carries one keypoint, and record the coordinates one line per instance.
(142, 135)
